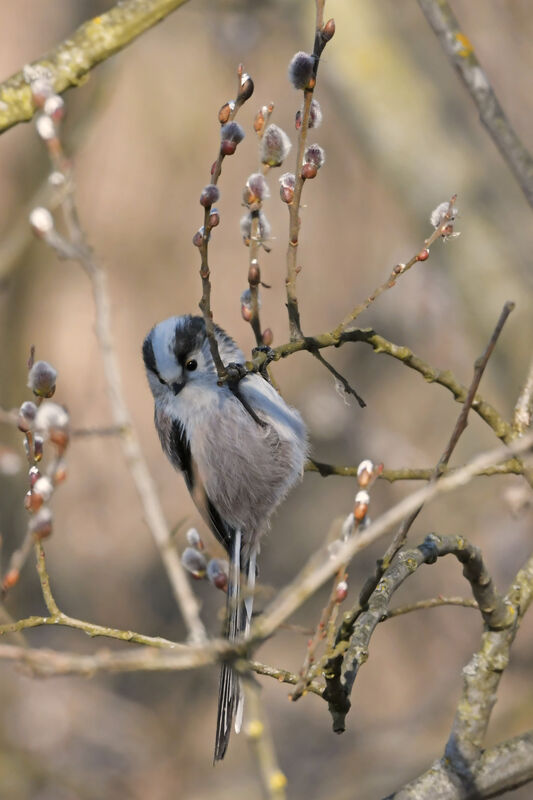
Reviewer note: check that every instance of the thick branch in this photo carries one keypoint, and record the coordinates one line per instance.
(499, 770)
(93, 42)
(354, 637)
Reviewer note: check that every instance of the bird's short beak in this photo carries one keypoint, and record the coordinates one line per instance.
(177, 387)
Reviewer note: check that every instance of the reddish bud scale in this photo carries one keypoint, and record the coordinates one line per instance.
(10, 579)
(214, 218)
(254, 275)
(227, 148)
(38, 448)
(224, 113)
(341, 591)
(423, 255)
(246, 313)
(259, 122)
(328, 31)
(286, 193)
(60, 439)
(60, 475)
(268, 337)
(197, 239)
(209, 195)
(309, 171)
(364, 478)
(221, 582)
(34, 475)
(43, 531)
(359, 511)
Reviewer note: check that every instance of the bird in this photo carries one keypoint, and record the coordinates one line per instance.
(241, 448)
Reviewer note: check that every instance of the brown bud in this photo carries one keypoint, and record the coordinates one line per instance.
(286, 193)
(214, 218)
(41, 523)
(60, 474)
(26, 416)
(10, 579)
(423, 255)
(33, 475)
(259, 122)
(227, 148)
(309, 171)
(224, 113)
(341, 591)
(198, 238)
(59, 438)
(268, 337)
(365, 473)
(246, 313)
(246, 88)
(254, 274)
(38, 443)
(32, 502)
(360, 509)
(209, 195)
(328, 31)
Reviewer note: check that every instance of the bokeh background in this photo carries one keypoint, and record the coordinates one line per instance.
(401, 135)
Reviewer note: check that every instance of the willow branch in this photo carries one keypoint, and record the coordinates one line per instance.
(89, 45)
(511, 467)
(322, 565)
(431, 374)
(77, 250)
(461, 53)
(401, 269)
(432, 602)
(354, 635)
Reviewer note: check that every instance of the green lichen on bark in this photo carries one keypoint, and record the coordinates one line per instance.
(93, 42)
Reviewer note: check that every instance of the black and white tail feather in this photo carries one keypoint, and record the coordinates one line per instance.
(238, 620)
(238, 465)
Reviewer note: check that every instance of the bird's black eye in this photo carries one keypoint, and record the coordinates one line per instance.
(191, 365)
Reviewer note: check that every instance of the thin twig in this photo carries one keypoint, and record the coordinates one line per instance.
(294, 207)
(459, 427)
(79, 251)
(431, 374)
(523, 409)
(511, 467)
(400, 269)
(321, 566)
(433, 602)
(257, 731)
(460, 51)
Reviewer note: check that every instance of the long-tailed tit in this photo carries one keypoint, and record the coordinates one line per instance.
(240, 455)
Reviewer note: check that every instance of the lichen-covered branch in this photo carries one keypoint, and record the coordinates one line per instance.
(93, 42)
(460, 51)
(323, 565)
(499, 770)
(511, 467)
(431, 374)
(354, 635)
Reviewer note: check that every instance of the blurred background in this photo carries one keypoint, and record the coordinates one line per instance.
(401, 135)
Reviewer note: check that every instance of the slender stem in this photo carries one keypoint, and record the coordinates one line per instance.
(460, 51)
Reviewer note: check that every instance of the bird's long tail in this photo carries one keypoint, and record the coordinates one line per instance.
(239, 614)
